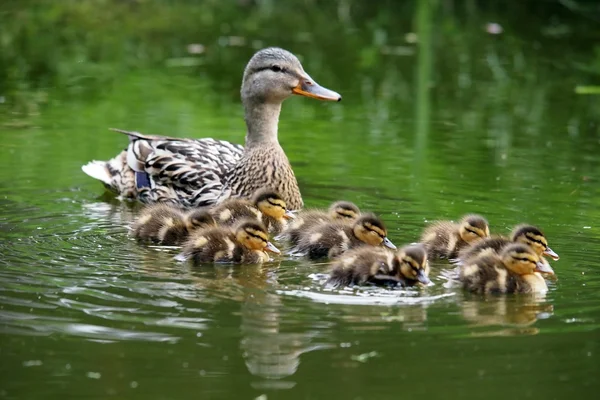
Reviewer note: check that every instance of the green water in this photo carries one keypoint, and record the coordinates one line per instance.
(468, 122)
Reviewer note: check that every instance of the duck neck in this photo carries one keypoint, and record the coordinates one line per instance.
(261, 120)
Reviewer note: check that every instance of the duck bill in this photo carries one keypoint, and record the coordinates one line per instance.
(289, 214)
(550, 253)
(421, 277)
(271, 247)
(544, 268)
(309, 88)
(388, 243)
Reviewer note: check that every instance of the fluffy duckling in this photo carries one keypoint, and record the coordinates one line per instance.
(331, 239)
(444, 239)
(247, 243)
(407, 267)
(341, 211)
(168, 225)
(527, 234)
(266, 205)
(515, 270)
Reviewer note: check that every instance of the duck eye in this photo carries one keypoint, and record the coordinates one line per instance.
(276, 68)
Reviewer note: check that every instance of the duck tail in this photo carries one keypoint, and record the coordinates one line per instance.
(115, 174)
(97, 170)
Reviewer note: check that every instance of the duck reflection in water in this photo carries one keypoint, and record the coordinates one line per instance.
(268, 352)
(516, 315)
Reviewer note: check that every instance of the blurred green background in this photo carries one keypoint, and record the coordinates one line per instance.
(448, 107)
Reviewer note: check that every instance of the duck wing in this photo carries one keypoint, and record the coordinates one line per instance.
(189, 172)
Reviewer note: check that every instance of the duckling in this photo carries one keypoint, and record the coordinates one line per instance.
(168, 225)
(407, 266)
(330, 239)
(306, 220)
(444, 239)
(515, 270)
(266, 205)
(246, 243)
(527, 234)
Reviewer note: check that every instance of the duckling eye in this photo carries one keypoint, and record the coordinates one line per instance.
(277, 68)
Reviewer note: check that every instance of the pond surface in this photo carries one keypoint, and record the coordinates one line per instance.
(86, 312)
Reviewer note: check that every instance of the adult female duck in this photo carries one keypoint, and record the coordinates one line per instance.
(200, 172)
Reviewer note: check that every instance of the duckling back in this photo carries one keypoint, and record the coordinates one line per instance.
(440, 239)
(161, 223)
(303, 223)
(363, 265)
(492, 245)
(231, 211)
(444, 239)
(484, 274)
(327, 240)
(211, 245)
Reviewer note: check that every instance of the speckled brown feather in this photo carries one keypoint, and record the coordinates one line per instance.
(265, 166)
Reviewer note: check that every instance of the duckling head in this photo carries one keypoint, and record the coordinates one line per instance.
(523, 260)
(199, 219)
(270, 203)
(371, 230)
(274, 74)
(473, 228)
(344, 210)
(253, 235)
(535, 238)
(410, 262)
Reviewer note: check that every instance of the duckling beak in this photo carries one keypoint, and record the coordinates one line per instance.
(544, 267)
(309, 88)
(271, 247)
(289, 214)
(550, 253)
(388, 243)
(421, 277)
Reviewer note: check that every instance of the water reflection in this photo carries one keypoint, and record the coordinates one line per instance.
(270, 352)
(515, 314)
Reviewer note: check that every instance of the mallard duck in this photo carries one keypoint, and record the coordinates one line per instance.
(247, 243)
(444, 239)
(201, 172)
(266, 205)
(343, 211)
(330, 239)
(407, 266)
(169, 225)
(515, 270)
(527, 234)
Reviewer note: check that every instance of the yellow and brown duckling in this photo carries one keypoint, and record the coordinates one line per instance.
(341, 211)
(246, 243)
(527, 234)
(375, 265)
(444, 239)
(169, 225)
(515, 270)
(330, 239)
(266, 206)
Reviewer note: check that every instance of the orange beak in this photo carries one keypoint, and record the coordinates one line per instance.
(309, 88)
